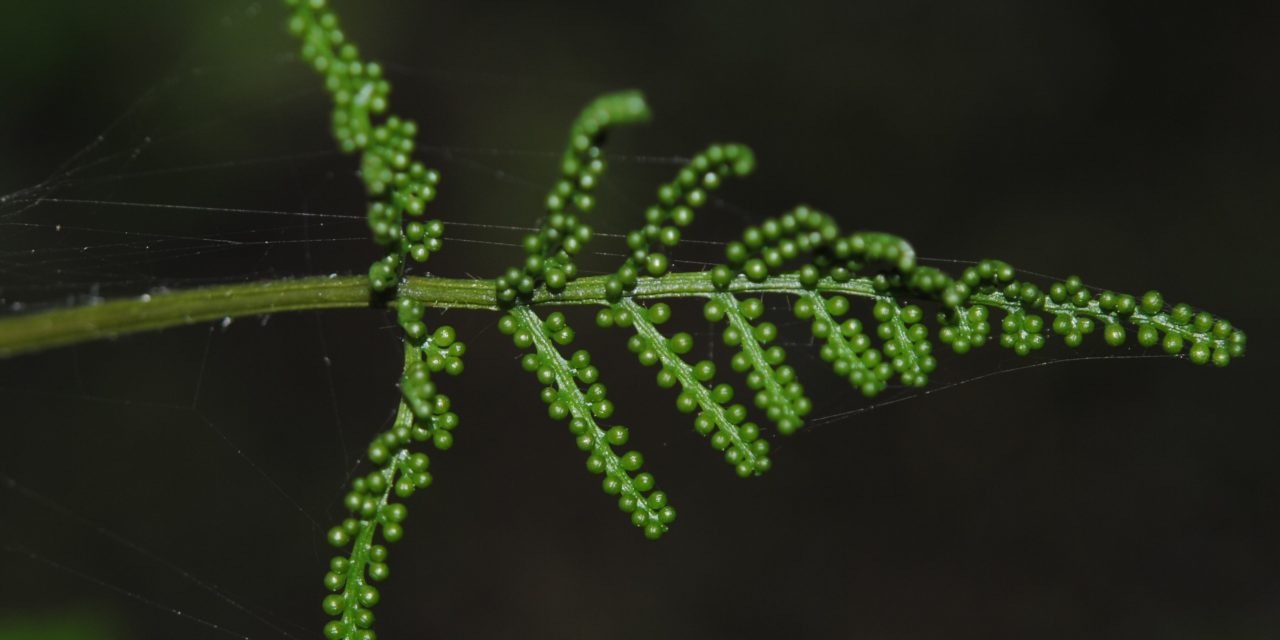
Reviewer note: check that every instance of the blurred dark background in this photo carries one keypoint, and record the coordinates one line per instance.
(1130, 143)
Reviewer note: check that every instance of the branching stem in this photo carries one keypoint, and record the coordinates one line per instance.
(28, 332)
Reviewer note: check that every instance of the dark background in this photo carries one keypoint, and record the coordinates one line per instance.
(1130, 143)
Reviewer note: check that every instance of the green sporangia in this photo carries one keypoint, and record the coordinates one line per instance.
(875, 315)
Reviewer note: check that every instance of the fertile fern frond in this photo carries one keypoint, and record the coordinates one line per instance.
(876, 313)
(802, 253)
(424, 415)
(566, 399)
(677, 202)
(778, 393)
(725, 424)
(562, 234)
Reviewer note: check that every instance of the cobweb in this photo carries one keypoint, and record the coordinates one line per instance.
(153, 204)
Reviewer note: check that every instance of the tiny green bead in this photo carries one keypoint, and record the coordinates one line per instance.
(595, 464)
(1114, 335)
(882, 311)
(1148, 335)
(333, 604)
(442, 440)
(392, 532)
(631, 461)
(659, 313)
(1199, 353)
(618, 436)
(721, 276)
(334, 630)
(755, 270)
(1152, 302)
(656, 264)
(1203, 321)
(809, 276)
(1182, 313)
(555, 279)
(1221, 357)
(337, 537)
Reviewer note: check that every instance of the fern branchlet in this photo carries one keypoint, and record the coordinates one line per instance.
(566, 400)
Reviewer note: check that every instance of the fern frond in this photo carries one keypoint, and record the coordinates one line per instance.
(905, 341)
(396, 183)
(846, 347)
(438, 352)
(802, 253)
(677, 202)
(725, 425)
(566, 399)
(778, 393)
(562, 234)
(423, 415)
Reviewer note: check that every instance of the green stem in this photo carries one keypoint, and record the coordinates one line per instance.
(29, 332)
(36, 331)
(24, 333)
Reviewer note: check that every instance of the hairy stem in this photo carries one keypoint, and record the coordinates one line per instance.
(28, 332)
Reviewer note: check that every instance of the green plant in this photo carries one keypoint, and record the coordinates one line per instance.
(803, 254)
